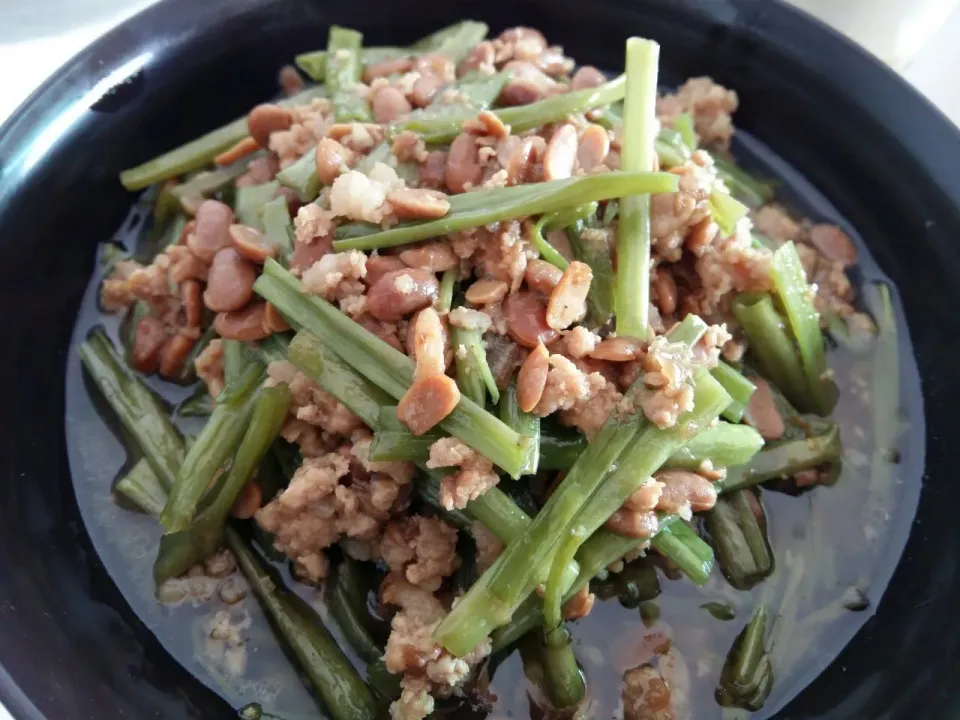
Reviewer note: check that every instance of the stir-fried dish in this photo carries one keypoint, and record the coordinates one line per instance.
(482, 343)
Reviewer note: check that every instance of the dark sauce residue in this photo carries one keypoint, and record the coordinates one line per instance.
(835, 548)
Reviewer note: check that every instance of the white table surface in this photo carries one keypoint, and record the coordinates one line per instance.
(917, 37)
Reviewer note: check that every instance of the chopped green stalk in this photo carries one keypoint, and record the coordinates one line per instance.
(562, 219)
(737, 386)
(475, 90)
(455, 41)
(209, 182)
(742, 548)
(234, 360)
(277, 224)
(344, 69)
(671, 154)
(747, 675)
(796, 297)
(771, 344)
(562, 679)
(445, 127)
(445, 297)
(725, 445)
(726, 212)
(637, 154)
(249, 202)
(390, 369)
(135, 406)
(180, 550)
(301, 177)
(394, 442)
(218, 442)
(200, 404)
(586, 497)
(200, 152)
(527, 424)
(558, 451)
(684, 125)
(555, 588)
(141, 487)
(742, 185)
(546, 250)
(332, 676)
(314, 63)
(785, 459)
(346, 613)
(482, 207)
(679, 543)
(473, 373)
(428, 488)
(138, 311)
(592, 246)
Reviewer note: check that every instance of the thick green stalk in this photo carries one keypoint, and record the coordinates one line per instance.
(593, 248)
(726, 212)
(344, 68)
(141, 487)
(482, 207)
(739, 388)
(546, 250)
(301, 177)
(562, 679)
(473, 373)
(785, 459)
(278, 225)
(683, 124)
(249, 201)
(637, 155)
(725, 445)
(679, 543)
(445, 297)
(742, 548)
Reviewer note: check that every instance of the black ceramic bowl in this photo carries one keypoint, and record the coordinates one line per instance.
(70, 647)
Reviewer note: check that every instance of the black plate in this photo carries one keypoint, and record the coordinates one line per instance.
(887, 161)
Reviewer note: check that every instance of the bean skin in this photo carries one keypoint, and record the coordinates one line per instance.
(400, 293)
(230, 282)
(246, 324)
(526, 318)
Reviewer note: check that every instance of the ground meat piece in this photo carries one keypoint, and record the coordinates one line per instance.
(668, 378)
(568, 301)
(580, 342)
(409, 147)
(489, 546)
(566, 386)
(475, 477)
(311, 222)
(468, 319)
(415, 701)
(423, 549)
(728, 266)
(657, 689)
(209, 367)
(400, 471)
(337, 276)
(773, 222)
(580, 605)
(710, 104)
(504, 257)
(359, 197)
(116, 292)
(590, 414)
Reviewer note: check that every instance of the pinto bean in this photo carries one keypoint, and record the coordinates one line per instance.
(833, 243)
(593, 147)
(400, 293)
(683, 488)
(418, 203)
(380, 265)
(427, 402)
(191, 298)
(532, 378)
(486, 291)
(425, 89)
(212, 231)
(633, 524)
(561, 153)
(333, 159)
(568, 301)
(188, 267)
(587, 77)
(481, 57)
(273, 320)
(248, 501)
(518, 161)
(433, 170)
(616, 349)
(429, 340)
(306, 254)
(149, 338)
(230, 282)
(432, 256)
(246, 324)
(389, 104)
(385, 68)
(175, 353)
(410, 341)
(463, 167)
(526, 317)
(762, 411)
(541, 276)
(268, 118)
(666, 290)
(252, 244)
(644, 498)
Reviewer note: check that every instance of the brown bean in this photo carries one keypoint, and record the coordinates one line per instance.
(306, 254)
(532, 378)
(188, 267)
(561, 153)
(834, 243)
(333, 159)
(248, 501)
(290, 81)
(463, 169)
(433, 170)
(149, 338)
(669, 212)
(175, 352)
(185, 233)
(526, 317)
(191, 298)
(520, 91)
(665, 288)
(587, 77)
(644, 498)
(410, 341)
(429, 340)
(427, 402)
(268, 118)
(389, 104)
(682, 488)
(432, 256)
(762, 411)
(246, 324)
(616, 349)
(212, 231)
(493, 124)
(700, 236)
(425, 89)
(526, 42)
(385, 68)
(482, 56)
(633, 524)
(541, 276)
(400, 293)
(568, 301)
(593, 148)
(260, 170)
(580, 605)
(486, 291)
(380, 265)
(418, 203)
(273, 320)
(252, 244)
(245, 147)
(230, 282)
(518, 163)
